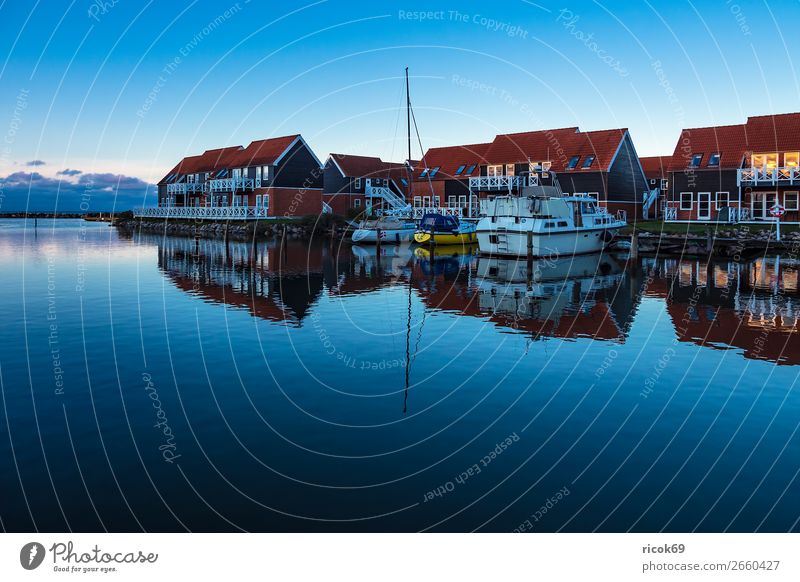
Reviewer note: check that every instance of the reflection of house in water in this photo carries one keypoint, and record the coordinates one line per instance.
(566, 298)
(273, 281)
(752, 306)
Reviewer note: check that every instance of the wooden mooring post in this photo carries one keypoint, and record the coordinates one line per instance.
(529, 262)
(635, 245)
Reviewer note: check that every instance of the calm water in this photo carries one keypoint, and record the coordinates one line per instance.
(164, 384)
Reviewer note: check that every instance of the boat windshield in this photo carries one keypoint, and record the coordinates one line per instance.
(438, 222)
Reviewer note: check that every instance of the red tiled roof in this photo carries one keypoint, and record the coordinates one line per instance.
(263, 152)
(763, 134)
(557, 146)
(450, 158)
(260, 152)
(655, 166)
(366, 166)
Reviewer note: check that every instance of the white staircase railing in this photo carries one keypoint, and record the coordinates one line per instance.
(387, 194)
(649, 199)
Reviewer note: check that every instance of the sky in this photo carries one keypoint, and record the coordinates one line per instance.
(99, 99)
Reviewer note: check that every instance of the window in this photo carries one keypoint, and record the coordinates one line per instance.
(653, 182)
(713, 159)
(587, 163)
(258, 200)
(696, 159)
(790, 200)
(509, 169)
(404, 181)
(493, 171)
(573, 162)
(686, 200)
(664, 185)
(595, 195)
(791, 160)
(357, 202)
(357, 183)
(765, 160)
(423, 173)
(451, 201)
(436, 201)
(470, 169)
(459, 170)
(723, 199)
(434, 171)
(417, 202)
(426, 201)
(462, 201)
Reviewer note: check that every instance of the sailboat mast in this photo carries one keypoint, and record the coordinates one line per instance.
(408, 116)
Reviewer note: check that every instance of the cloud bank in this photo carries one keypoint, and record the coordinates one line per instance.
(73, 191)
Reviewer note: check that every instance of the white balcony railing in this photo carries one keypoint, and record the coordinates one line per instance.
(420, 211)
(229, 184)
(486, 183)
(203, 212)
(184, 187)
(769, 176)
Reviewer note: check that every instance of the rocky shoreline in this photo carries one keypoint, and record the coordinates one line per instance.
(235, 230)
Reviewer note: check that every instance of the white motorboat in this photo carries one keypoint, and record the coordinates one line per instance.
(390, 230)
(547, 221)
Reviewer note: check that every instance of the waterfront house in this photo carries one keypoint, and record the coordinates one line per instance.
(656, 171)
(736, 173)
(441, 180)
(363, 183)
(269, 178)
(602, 164)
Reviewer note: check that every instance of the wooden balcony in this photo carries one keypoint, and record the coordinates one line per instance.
(184, 187)
(497, 183)
(788, 176)
(230, 184)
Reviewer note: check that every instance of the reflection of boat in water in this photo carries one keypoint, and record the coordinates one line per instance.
(439, 229)
(445, 260)
(593, 266)
(390, 230)
(559, 298)
(547, 221)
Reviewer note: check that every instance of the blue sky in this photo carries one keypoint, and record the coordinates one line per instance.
(128, 88)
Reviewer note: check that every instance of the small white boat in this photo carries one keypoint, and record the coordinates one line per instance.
(546, 220)
(390, 230)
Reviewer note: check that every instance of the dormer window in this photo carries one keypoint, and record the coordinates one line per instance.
(460, 169)
(573, 162)
(404, 181)
(713, 160)
(423, 173)
(470, 169)
(587, 163)
(696, 160)
(434, 171)
(791, 160)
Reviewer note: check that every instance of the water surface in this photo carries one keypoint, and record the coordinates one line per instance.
(168, 384)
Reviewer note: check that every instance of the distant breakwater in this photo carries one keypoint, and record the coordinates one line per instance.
(301, 230)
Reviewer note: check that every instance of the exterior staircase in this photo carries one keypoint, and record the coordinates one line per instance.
(648, 199)
(395, 202)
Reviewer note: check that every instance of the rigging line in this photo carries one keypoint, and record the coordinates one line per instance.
(397, 124)
(419, 140)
